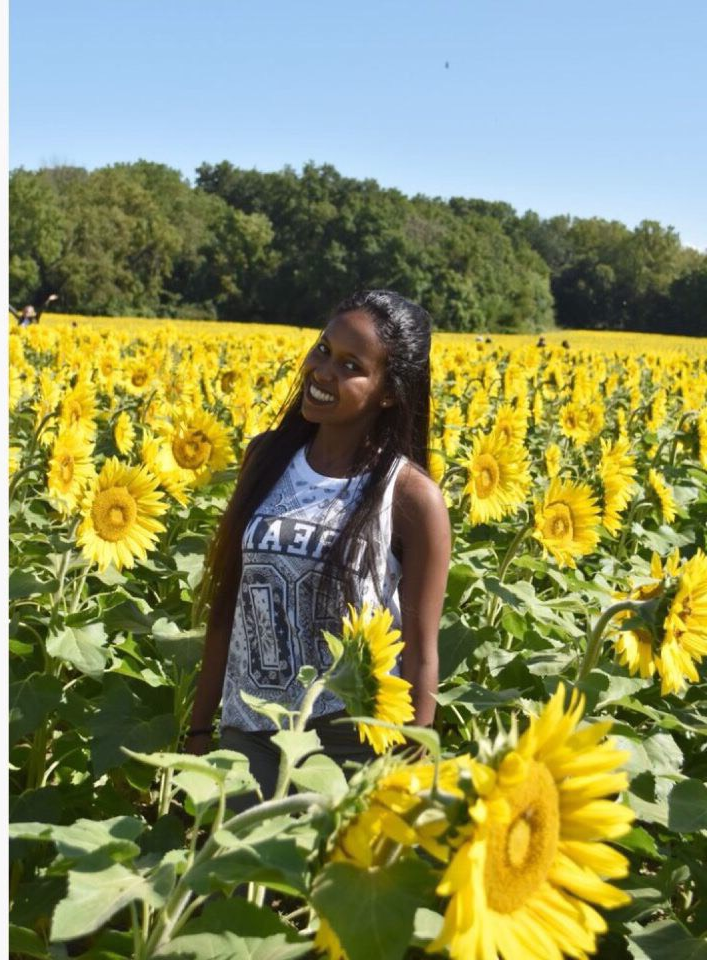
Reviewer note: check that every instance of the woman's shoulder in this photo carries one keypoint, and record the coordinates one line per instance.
(416, 491)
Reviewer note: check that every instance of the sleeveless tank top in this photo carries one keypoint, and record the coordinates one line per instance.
(280, 609)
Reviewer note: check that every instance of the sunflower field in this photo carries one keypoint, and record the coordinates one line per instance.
(558, 808)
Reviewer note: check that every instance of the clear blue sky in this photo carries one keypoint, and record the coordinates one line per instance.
(587, 107)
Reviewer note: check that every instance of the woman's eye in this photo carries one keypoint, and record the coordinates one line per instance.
(350, 365)
(322, 348)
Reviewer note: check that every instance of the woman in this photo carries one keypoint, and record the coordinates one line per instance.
(333, 506)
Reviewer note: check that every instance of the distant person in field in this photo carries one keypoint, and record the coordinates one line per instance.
(334, 505)
(29, 315)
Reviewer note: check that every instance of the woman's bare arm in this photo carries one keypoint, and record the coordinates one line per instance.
(422, 531)
(212, 672)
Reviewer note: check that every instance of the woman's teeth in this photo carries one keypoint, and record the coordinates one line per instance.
(320, 395)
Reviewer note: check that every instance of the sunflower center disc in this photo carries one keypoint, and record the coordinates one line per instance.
(138, 379)
(192, 451)
(486, 475)
(558, 525)
(521, 851)
(113, 513)
(227, 381)
(66, 470)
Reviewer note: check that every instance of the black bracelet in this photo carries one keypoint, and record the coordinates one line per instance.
(200, 732)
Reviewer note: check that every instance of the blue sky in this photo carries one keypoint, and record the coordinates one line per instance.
(589, 108)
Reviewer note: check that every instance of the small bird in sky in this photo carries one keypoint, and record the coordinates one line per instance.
(446, 64)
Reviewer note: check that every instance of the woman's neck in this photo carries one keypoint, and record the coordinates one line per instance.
(332, 453)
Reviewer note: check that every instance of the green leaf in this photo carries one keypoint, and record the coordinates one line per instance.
(277, 862)
(477, 699)
(457, 641)
(296, 744)
(97, 891)
(236, 930)
(82, 647)
(687, 806)
(321, 774)
(26, 943)
(113, 838)
(31, 702)
(372, 912)
(124, 719)
(461, 576)
(25, 584)
(184, 648)
(274, 711)
(666, 940)
(127, 617)
(640, 841)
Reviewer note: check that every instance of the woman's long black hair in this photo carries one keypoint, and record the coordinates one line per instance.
(401, 429)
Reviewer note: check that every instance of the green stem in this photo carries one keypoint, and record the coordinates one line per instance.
(284, 771)
(593, 650)
(137, 932)
(30, 453)
(632, 515)
(165, 792)
(505, 563)
(78, 590)
(178, 901)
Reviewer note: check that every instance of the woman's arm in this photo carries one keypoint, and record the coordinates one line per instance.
(422, 532)
(213, 670)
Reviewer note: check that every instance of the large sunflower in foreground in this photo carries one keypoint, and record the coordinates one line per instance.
(498, 478)
(566, 521)
(362, 676)
(119, 515)
(397, 815)
(533, 862)
(71, 469)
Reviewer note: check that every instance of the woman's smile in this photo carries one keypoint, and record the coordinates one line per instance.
(318, 395)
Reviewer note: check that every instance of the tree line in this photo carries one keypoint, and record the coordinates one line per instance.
(284, 247)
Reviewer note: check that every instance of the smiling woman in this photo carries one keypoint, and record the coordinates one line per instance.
(334, 506)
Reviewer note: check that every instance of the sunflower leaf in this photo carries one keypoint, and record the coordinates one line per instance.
(373, 912)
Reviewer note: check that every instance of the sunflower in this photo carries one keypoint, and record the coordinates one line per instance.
(553, 460)
(78, 409)
(566, 521)
(397, 816)
(581, 421)
(451, 433)
(438, 466)
(119, 514)
(663, 493)
(498, 478)
(14, 459)
(71, 470)
(362, 675)
(155, 454)
(617, 471)
(685, 637)
(702, 437)
(124, 433)
(511, 424)
(200, 444)
(534, 852)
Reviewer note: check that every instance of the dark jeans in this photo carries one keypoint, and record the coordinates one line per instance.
(340, 741)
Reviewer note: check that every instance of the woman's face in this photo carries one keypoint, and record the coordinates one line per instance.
(344, 373)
